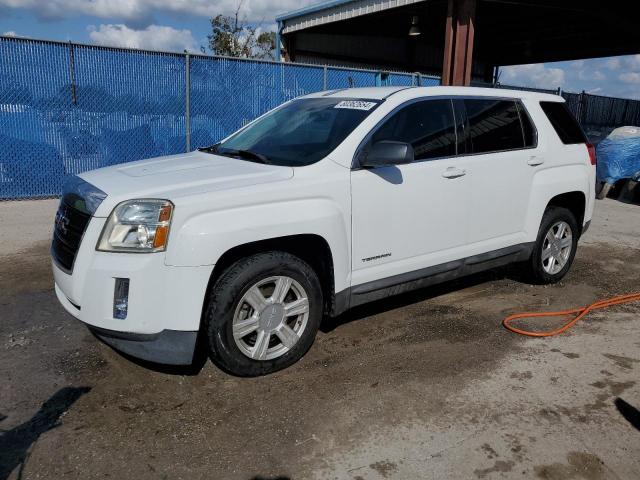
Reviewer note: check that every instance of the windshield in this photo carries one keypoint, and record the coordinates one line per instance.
(299, 133)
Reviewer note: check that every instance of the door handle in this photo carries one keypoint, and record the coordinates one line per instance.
(453, 172)
(534, 161)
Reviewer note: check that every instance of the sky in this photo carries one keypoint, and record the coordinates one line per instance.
(178, 25)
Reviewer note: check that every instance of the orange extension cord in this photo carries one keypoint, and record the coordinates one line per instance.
(581, 312)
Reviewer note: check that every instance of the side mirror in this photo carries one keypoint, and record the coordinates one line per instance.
(387, 152)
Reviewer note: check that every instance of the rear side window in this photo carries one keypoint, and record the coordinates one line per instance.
(494, 125)
(427, 125)
(565, 125)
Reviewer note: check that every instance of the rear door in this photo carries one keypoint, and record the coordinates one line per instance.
(499, 141)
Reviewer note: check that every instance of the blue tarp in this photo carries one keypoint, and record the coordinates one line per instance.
(619, 155)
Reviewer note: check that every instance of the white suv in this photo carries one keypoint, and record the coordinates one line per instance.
(327, 202)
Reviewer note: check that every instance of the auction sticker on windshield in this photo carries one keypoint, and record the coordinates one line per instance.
(356, 105)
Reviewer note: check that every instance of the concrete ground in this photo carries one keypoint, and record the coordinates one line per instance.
(427, 385)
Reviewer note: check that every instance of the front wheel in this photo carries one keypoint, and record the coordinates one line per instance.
(555, 246)
(263, 314)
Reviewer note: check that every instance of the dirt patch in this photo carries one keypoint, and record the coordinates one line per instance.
(385, 468)
(412, 356)
(566, 354)
(604, 399)
(616, 388)
(491, 453)
(428, 322)
(81, 363)
(398, 363)
(522, 376)
(579, 465)
(28, 271)
(500, 466)
(626, 363)
(604, 268)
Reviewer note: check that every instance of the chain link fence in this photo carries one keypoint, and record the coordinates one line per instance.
(67, 108)
(600, 111)
(595, 111)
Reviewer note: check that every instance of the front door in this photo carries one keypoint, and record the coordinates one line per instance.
(413, 216)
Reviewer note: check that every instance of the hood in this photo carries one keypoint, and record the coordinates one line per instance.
(174, 176)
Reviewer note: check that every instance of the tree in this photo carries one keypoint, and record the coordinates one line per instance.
(232, 36)
(266, 45)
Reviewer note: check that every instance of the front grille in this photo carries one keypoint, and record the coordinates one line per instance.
(70, 225)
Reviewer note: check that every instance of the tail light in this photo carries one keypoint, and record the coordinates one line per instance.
(592, 153)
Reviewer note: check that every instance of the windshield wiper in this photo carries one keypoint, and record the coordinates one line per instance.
(210, 149)
(249, 155)
(244, 154)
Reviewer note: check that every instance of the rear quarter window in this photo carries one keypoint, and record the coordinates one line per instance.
(563, 122)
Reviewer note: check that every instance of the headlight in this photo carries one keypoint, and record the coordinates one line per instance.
(137, 226)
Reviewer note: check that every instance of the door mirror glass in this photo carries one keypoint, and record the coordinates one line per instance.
(386, 153)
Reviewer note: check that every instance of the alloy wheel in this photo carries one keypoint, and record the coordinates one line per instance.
(556, 247)
(270, 318)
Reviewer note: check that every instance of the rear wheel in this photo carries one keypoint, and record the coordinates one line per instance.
(555, 247)
(263, 314)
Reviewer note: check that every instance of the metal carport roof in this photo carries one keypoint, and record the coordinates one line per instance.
(463, 39)
(335, 11)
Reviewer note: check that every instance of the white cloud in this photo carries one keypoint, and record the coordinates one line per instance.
(537, 75)
(154, 37)
(630, 77)
(629, 62)
(65, 8)
(633, 62)
(255, 10)
(10, 33)
(591, 75)
(613, 63)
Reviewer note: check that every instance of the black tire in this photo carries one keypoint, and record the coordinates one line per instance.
(229, 289)
(534, 268)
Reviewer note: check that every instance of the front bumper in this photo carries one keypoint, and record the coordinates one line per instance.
(164, 304)
(169, 347)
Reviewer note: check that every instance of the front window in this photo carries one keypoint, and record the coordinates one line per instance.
(299, 133)
(428, 125)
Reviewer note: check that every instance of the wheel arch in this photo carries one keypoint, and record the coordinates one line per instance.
(564, 186)
(575, 202)
(312, 248)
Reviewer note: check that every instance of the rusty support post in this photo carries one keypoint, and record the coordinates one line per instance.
(448, 46)
(458, 42)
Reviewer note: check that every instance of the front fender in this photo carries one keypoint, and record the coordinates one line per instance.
(203, 238)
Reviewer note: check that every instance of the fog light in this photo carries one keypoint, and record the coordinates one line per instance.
(121, 298)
